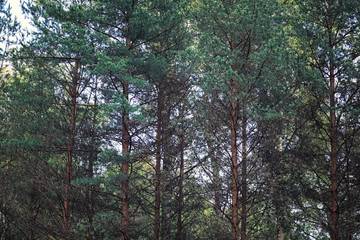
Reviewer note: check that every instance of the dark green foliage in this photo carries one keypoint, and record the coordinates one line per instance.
(326, 38)
(175, 70)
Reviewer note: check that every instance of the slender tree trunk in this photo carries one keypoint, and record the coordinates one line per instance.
(125, 142)
(90, 210)
(234, 176)
(234, 171)
(167, 168)
(351, 212)
(333, 159)
(243, 178)
(125, 167)
(92, 158)
(234, 153)
(280, 230)
(333, 143)
(181, 177)
(70, 149)
(158, 167)
(216, 184)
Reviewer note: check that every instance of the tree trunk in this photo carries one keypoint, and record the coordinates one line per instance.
(90, 210)
(167, 168)
(333, 159)
(158, 167)
(125, 142)
(234, 172)
(216, 184)
(70, 149)
(234, 156)
(234, 178)
(92, 158)
(244, 179)
(280, 230)
(181, 177)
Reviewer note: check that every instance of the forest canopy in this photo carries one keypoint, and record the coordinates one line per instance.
(180, 119)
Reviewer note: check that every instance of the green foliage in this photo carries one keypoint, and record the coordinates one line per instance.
(325, 34)
(177, 69)
(8, 29)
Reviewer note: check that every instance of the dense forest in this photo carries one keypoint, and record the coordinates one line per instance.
(180, 119)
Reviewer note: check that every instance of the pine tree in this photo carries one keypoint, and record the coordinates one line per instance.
(327, 37)
(240, 47)
(59, 50)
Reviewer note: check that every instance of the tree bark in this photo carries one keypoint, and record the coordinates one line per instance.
(333, 141)
(243, 179)
(158, 166)
(234, 153)
(216, 184)
(90, 209)
(181, 177)
(167, 187)
(280, 231)
(234, 176)
(92, 158)
(70, 149)
(125, 143)
(333, 159)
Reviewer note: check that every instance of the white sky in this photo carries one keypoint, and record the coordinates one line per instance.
(16, 12)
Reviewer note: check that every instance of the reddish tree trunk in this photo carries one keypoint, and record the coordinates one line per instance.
(92, 157)
(70, 149)
(234, 171)
(158, 167)
(234, 176)
(333, 159)
(125, 142)
(181, 178)
(125, 167)
(234, 153)
(243, 179)
(333, 143)
(90, 210)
